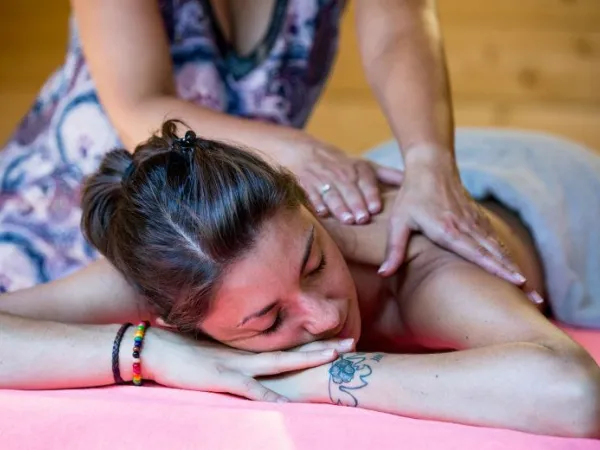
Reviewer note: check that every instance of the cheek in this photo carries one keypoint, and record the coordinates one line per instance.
(337, 279)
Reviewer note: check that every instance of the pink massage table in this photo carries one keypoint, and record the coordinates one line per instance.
(159, 418)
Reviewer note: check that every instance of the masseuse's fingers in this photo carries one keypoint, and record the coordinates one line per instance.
(336, 204)
(274, 363)
(248, 387)
(388, 175)
(469, 248)
(535, 297)
(368, 186)
(310, 183)
(398, 236)
(494, 249)
(353, 198)
(479, 227)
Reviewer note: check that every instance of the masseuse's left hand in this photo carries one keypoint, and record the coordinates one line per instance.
(433, 201)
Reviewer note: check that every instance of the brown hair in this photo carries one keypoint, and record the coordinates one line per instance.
(172, 219)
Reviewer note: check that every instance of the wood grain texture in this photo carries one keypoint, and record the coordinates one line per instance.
(513, 63)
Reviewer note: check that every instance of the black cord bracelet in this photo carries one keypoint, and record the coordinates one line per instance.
(115, 353)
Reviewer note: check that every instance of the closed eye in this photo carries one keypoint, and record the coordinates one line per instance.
(276, 324)
(279, 317)
(320, 267)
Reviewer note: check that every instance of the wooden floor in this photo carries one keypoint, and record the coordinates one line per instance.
(514, 63)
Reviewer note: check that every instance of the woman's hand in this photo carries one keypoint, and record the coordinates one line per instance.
(433, 201)
(180, 362)
(303, 386)
(336, 183)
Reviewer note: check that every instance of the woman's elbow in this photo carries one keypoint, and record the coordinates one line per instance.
(572, 394)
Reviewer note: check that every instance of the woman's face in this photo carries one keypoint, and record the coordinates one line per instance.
(292, 288)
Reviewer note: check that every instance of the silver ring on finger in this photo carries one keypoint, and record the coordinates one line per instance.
(325, 189)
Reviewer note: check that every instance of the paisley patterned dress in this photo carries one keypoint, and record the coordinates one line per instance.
(66, 132)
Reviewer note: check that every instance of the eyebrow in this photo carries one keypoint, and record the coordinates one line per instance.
(305, 258)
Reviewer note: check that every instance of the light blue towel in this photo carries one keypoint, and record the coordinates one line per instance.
(554, 185)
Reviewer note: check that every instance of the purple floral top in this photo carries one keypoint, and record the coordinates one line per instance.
(66, 132)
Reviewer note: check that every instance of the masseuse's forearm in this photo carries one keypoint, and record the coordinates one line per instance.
(519, 385)
(405, 65)
(274, 141)
(50, 355)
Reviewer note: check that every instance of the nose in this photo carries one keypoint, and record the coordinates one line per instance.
(321, 315)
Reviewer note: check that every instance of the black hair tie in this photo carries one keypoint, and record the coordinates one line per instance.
(188, 142)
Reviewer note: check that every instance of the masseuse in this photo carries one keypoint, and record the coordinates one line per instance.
(250, 72)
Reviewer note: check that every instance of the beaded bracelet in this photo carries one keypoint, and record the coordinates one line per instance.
(115, 353)
(137, 348)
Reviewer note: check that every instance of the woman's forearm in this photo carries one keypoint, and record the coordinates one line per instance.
(522, 386)
(273, 141)
(50, 355)
(96, 294)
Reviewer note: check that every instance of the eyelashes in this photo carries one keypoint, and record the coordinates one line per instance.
(279, 317)
(320, 267)
(276, 324)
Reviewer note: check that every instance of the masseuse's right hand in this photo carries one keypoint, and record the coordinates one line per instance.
(336, 183)
(176, 361)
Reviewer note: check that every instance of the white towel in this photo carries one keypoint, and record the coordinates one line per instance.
(554, 186)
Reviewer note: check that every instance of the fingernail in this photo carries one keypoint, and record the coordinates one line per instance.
(373, 207)
(537, 298)
(282, 400)
(362, 217)
(329, 352)
(384, 267)
(347, 343)
(519, 278)
(347, 217)
(321, 210)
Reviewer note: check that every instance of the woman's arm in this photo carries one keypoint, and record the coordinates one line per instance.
(38, 354)
(512, 368)
(97, 294)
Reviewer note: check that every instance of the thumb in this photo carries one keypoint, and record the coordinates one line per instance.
(388, 175)
(397, 241)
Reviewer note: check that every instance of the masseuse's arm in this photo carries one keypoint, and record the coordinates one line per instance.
(512, 367)
(127, 50)
(403, 56)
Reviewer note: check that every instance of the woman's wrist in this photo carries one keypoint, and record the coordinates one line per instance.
(149, 354)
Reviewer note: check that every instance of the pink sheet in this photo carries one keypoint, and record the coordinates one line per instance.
(160, 418)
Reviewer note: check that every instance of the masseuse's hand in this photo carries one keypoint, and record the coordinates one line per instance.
(337, 184)
(180, 362)
(433, 201)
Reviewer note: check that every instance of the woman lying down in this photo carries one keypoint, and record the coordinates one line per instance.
(205, 239)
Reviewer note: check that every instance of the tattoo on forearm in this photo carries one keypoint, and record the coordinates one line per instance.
(349, 374)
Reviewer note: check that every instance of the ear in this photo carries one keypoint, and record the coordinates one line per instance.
(161, 323)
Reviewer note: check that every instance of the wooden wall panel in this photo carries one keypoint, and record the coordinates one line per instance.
(33, 37)
(527, 14)
(514, 63)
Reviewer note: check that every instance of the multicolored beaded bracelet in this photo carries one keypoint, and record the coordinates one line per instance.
(138, 340)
